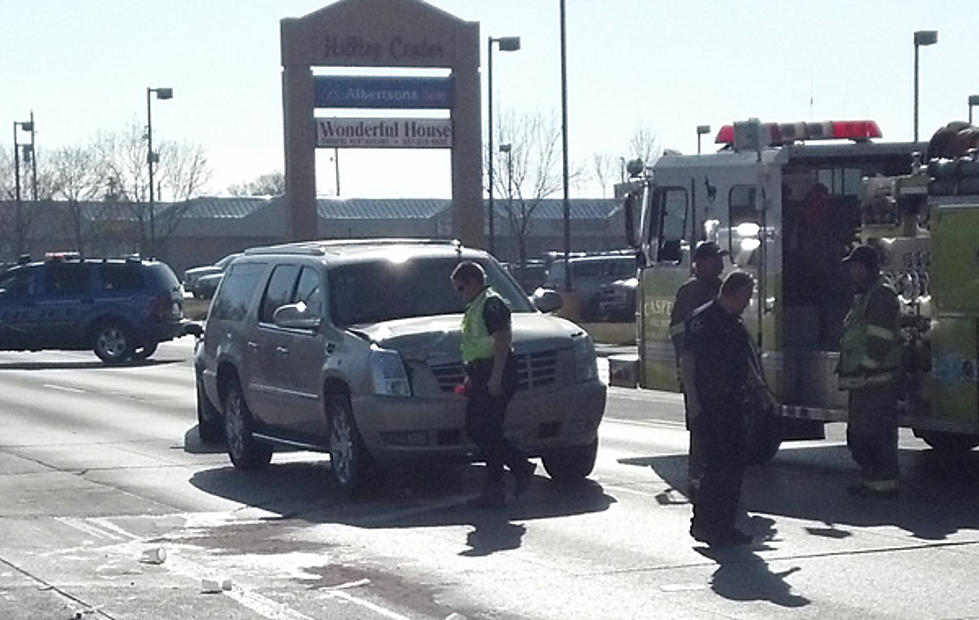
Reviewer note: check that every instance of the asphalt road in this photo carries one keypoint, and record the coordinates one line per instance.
(101, 465)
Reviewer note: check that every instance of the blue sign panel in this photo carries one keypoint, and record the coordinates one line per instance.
(343, 91)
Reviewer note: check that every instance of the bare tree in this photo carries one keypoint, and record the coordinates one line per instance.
(184, 172)
(603, 167)
(268, 184)
(181, 174)
(77, 180)
(530, 172)
(644, 145)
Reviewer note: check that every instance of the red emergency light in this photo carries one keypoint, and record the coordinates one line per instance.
(786, 133)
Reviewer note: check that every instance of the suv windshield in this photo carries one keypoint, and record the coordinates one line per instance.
(382, 290)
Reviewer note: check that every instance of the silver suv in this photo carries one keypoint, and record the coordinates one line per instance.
(352, 348)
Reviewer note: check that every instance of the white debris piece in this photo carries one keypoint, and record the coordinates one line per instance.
(214, 586)
(455, 616)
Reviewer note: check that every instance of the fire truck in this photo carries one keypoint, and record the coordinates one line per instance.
(788, 201)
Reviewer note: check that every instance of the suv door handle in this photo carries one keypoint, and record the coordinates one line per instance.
(252, 345)
(282, 350)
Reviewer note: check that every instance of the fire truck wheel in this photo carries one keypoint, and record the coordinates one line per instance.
(948, 443)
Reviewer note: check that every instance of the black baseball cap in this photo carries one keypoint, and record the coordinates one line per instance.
(864, 254)
(708, 249)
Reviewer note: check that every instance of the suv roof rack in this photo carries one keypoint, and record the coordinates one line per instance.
(318, 248)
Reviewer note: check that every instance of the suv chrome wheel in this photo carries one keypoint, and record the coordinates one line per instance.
(112, 343)
(350, 461)
(244, 451)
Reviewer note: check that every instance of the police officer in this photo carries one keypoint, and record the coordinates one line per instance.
(716, 370)
(870, 358)
(708, 263)
(490, 383)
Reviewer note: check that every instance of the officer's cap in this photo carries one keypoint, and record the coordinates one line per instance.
(864, 254)
(707, 249)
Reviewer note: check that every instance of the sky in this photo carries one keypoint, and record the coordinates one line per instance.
(84, 65)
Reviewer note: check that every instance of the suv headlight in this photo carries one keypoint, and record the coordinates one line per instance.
(388, 373)
(585, 361)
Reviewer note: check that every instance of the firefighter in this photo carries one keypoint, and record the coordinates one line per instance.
(490, 382)
(870, 358)
(708, 263)
(716, 367)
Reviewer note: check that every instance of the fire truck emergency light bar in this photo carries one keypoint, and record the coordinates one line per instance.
(786, 133)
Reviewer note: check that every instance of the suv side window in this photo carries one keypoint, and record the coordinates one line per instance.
(18, 283)
(67, 278)
(237, 288)
(309, 292)
(120, 277)
(278, 292)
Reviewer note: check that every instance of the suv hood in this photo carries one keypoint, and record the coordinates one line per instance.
(422, 337)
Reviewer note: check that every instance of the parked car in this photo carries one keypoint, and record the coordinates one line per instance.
(588, 275)
(617, 300)
(531, 275)
(193, 275)
(353, 348)
(207, 285)
(120, 308)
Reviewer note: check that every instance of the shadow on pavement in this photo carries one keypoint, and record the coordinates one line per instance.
(413, 495)
(742, 575)
(938, 495)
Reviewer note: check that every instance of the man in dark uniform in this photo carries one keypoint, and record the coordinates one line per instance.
(870, 358)
(716, 370)
(708, 263)
(490, 383)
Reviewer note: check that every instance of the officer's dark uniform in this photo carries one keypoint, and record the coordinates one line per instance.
(485, 412)
(722, 350)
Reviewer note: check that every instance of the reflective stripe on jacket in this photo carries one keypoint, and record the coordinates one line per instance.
(477, 342)
(870, 349)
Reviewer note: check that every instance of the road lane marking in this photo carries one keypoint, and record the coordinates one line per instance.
(63, 388)
(649, 423)
(82, 526)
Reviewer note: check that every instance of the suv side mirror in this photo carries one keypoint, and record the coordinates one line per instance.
(547, 300)
(295, 316)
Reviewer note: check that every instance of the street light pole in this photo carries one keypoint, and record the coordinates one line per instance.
(506, 44)
(701, 130)
(152, 158)
(19, 207)
(973, 102)
(921, 37)
(18, 245)
(564, 146)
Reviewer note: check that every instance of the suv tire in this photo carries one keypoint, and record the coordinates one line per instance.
(210, 428)
(245, 452)
(351, 463)
(112, 343)
(143, 352)
(569, 465)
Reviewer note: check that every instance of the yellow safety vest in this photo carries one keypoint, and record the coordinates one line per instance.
(477, 342)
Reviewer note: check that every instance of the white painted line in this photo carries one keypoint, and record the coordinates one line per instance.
(63, 388)
(387, 613)
(650, 423)
(633, 491)
(91, 530)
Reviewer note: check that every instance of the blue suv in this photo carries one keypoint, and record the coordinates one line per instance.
(119, 308)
